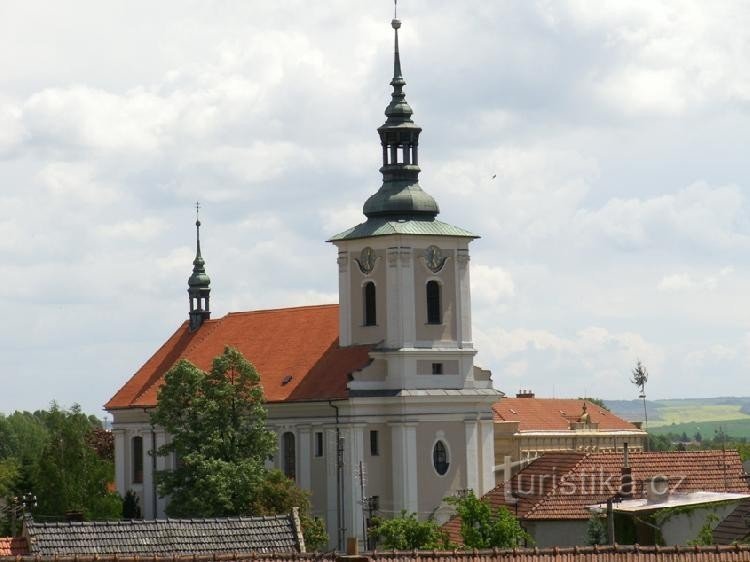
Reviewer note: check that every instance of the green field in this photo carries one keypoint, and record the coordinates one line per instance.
(691, 415)
(678, 413)
(737, 428)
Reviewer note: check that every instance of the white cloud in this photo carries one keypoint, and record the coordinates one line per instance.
(490, 285)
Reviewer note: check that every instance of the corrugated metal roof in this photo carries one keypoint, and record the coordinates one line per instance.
(378, 226)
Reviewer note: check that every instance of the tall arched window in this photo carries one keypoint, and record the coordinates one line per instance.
(433, 303)
(290, 455)
(368, 293)
(137, 460)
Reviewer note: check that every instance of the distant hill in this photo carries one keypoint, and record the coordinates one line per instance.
(684, 410)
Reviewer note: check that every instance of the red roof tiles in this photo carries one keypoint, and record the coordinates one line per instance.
(301, 342)
(13, 546)
(550, 414)
(559, 486)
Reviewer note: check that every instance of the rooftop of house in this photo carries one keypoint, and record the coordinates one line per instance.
(735, 527)
(561, 485)
(13, 546)
(555, 414)
(295, 351)
(277, 534)
(616, 553)
(640, 505)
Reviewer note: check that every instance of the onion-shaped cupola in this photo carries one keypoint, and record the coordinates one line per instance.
(400, 196)
(198, 285)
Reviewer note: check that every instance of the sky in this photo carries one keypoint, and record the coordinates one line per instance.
(600, 149)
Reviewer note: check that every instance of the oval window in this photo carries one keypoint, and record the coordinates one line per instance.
(440, 458)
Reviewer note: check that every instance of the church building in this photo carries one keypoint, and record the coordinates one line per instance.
(376, 401)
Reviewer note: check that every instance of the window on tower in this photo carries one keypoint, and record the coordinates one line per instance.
(433, 303)
(369, 303)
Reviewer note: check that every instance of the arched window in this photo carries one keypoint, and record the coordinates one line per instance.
(290, 455)
(433, 302)
(440, 458)
(137, 460)
(369, 303)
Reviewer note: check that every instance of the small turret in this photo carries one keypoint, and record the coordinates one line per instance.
(198, 283)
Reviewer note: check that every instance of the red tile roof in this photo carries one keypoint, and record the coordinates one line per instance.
(13, 546)
(549, 414)
(559, 486)
(301, 342)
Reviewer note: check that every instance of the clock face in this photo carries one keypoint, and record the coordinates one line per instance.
(366, 260)
(434, 259)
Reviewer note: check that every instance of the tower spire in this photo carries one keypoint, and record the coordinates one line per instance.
(199, 281)
(400, 197)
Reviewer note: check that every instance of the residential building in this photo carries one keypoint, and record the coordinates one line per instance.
(375, 397)
(553, 496)
(527, 427)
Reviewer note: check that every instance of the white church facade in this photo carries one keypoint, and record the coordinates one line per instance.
(376, 401)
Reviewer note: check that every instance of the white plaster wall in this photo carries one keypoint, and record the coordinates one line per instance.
(684, 527)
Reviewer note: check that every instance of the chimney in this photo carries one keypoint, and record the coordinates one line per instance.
(626, 480)
(657, 490)
(524, 394)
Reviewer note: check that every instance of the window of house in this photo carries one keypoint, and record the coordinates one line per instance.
(433, 302)
(369, 303)
(440, 458)
(437, 368)
(318, 443)
(137, 460)
(374, 444)
(290, 455)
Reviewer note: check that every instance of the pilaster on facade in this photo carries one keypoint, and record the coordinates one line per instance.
(162, 463)
(463, 299)
(333, 489)
(345, 304)
(401, 320)
(404, 461)
(148, 505)
(472, 456)
(120, 470)
(353, 436)
(304, 455)
(487, 449)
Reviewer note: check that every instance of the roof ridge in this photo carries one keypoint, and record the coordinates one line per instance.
(553, 490)
(280, 309)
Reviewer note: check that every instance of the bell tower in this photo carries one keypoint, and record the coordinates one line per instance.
(403, 274)
(198, 283)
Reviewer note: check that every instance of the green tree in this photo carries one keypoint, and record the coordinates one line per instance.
(406, 532)
(69, 475)
(481, 527)
(596, 533)
(131, 508)
(217, 422)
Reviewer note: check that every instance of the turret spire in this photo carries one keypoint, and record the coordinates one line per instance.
(198, 283)
(400, 197)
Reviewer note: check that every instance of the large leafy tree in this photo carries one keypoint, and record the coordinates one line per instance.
(218, 426)
(69, 475)
(217, 423)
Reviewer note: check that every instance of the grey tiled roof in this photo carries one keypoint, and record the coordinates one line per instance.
(279, 534)
(379, 226)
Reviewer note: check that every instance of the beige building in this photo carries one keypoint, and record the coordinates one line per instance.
(527, 427)
(376, 401)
